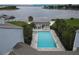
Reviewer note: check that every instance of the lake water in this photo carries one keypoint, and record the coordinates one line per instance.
(39, 13)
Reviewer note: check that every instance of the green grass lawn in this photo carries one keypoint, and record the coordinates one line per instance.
(18, 23)
(72, 23)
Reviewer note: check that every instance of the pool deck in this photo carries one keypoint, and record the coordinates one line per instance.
(35, 40)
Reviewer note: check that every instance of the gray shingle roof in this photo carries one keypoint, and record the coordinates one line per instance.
(9, 26)
(28, 50)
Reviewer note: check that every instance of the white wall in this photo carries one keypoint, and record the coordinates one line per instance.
(9, 38)
(76, 42)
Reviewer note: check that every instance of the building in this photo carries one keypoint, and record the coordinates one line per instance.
(41, 25)
(10, 35)
(76, 41)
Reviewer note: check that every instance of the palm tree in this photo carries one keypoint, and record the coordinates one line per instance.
(30, 18)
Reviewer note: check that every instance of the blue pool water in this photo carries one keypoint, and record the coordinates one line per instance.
(45, 40)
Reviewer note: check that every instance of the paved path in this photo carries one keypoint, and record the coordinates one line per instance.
(27, 50)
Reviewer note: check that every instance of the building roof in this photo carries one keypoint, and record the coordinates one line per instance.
(77, 30)
(41, 22)
(41, 19)
(9, 26)
(24, 49)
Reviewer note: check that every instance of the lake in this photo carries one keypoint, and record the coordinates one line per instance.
(39, 13)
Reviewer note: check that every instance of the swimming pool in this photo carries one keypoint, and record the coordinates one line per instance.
(46, 40)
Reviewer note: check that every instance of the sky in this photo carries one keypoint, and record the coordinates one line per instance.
(21, 2)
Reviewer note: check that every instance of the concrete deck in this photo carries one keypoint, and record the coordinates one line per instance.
(56, 39)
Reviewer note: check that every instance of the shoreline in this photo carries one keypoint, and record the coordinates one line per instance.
(59, 9)
(9, 9)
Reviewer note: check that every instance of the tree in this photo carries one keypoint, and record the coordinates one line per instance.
(30, 18)
(65, 32)
(27, 33)
(71, 18)
(60, 25)
(68, 38)
(33, 25)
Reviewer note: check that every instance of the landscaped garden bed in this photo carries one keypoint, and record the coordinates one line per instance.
(66, 30)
